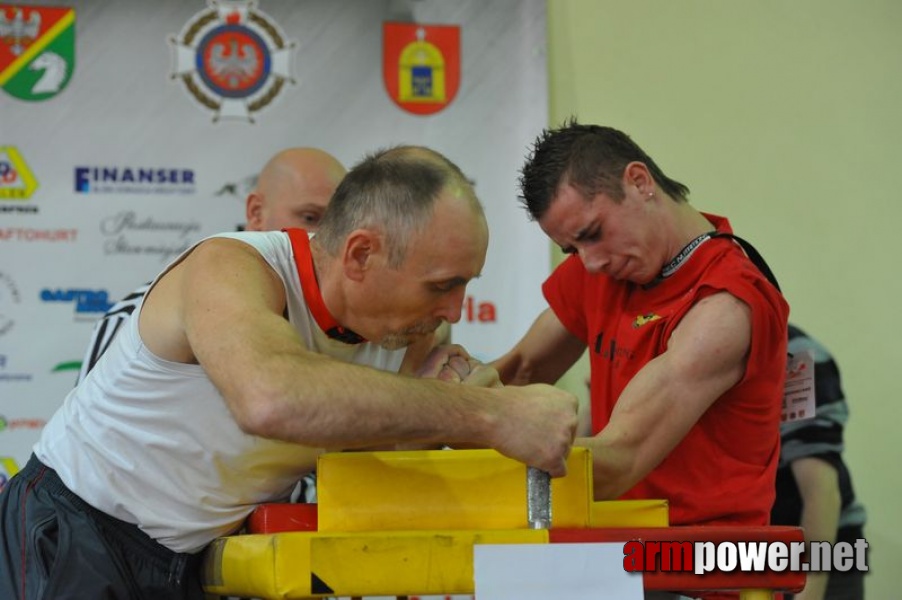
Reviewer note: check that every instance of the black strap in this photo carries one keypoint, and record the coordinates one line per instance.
(753, 255)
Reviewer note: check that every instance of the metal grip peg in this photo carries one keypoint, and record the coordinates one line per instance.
(538, 498)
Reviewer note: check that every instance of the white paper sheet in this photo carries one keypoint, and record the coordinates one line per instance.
(559, 571)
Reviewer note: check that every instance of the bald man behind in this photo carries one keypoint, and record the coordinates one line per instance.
(292, 190)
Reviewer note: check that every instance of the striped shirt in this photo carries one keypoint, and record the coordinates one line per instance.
(821, 437)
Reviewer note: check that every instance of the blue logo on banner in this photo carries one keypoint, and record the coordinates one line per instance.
(130, 180)
(86, 301)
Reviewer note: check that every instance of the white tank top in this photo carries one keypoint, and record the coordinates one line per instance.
(151, 442)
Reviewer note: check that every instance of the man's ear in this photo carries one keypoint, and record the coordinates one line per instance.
(637, 175)
(360, 251)
(253, 212)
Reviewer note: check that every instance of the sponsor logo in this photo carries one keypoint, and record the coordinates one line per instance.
(19, 234)
(88, 303)
(133, 180)
(37, 50)
(232, 59)
(8, 468)
(65, 366)
(9, 300)
(4, 376)
(29, 423)
(421, 65)
(474, 311)
(16, 181)
(643, 319)
(238, 190)
(610, 350)
(126, 234)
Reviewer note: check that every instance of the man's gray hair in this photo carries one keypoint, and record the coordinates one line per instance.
(393, 191)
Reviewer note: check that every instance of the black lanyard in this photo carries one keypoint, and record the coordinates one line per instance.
(753, 255)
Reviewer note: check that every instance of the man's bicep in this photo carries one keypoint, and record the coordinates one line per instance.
(710, 346)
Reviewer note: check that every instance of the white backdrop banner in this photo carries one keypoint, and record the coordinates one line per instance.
(130, 129)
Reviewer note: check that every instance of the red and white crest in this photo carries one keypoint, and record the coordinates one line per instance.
(421, 65)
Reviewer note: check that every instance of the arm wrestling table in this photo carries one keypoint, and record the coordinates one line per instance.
(405, 523)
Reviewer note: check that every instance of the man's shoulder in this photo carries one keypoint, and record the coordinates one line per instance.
(728, 267)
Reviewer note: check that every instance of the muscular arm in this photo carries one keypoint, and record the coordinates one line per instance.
(705, 356)
(222, 307)
(543, 355)
(818, 484)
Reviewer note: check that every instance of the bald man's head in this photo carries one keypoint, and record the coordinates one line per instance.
(293, 190)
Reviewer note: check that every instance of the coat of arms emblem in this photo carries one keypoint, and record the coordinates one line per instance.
(37, 50)
(232, 59)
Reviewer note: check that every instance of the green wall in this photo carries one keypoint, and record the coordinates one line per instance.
(786, 117)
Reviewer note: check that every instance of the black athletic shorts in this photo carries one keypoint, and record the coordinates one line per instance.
(57, 547)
